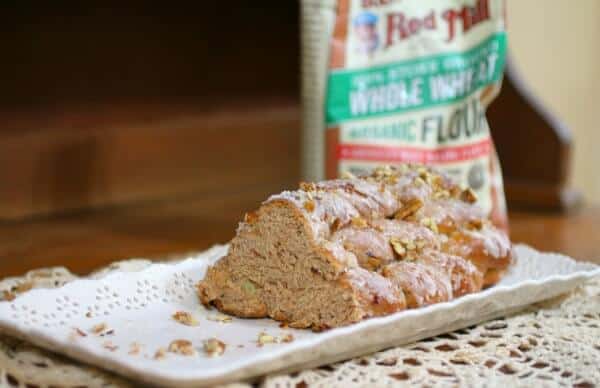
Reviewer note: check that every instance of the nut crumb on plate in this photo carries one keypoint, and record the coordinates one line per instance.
(99, 328)
(134, 348)
(110, 346)
(183, 347)
(213, 347)
(220, 318)
(185, 318)
(264, 338)
(160, 354)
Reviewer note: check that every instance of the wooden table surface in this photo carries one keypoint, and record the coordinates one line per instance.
(87, 240)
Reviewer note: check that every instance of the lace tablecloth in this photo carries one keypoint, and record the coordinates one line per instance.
(554, 343)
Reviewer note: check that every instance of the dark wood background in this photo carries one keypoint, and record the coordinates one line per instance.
(148, 130)
(115, 104)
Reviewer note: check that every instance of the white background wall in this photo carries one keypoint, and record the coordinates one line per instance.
(556, 46)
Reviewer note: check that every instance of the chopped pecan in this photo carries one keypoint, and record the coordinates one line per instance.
(359, 222)
(348, 175)
(408, 244)
(408, 209)
(337, 223)
(373, 263)
(308, 186)
(475, 224)
(309, 205)
(430, 223)
(398, 247)
(420, 244)
(383, 171)
(468, 195)
(419, 182)
(441, 194)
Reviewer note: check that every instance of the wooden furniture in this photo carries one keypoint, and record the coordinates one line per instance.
(85, 241)
(116, 105)
(534, 148)
(104, 105)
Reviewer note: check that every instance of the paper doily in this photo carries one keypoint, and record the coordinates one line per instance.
(556, 343)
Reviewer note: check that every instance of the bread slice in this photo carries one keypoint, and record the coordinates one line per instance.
(336, 252)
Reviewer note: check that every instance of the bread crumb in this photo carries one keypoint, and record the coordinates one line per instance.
(160, 354)
(99, 328)
(183, 347)
(76, 333)
(110, 346)
(213, 347)
(134, 348)
(185, 318)
(264, 338)
(222, 318)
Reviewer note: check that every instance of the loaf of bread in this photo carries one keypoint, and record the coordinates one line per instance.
(339, 251)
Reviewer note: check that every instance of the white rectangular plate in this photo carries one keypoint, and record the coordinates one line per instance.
(136, 309)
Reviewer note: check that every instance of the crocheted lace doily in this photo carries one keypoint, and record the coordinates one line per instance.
(555, 343)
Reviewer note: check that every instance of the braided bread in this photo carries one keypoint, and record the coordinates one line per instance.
(339, 251)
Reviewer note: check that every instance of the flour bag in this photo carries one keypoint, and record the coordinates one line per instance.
(393, 81)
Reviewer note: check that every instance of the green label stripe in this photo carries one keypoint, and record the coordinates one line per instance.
(414, 84)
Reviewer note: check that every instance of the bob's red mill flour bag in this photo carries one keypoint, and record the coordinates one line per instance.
(391, 81)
